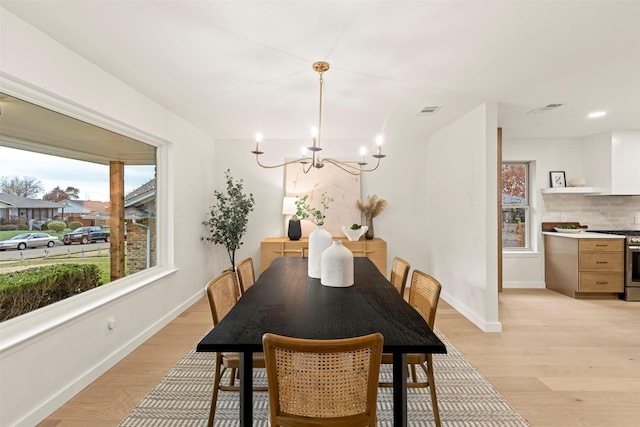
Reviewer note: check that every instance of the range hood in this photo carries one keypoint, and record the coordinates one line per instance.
(612, 162)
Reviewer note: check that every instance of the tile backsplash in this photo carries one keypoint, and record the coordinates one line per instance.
(597, 212)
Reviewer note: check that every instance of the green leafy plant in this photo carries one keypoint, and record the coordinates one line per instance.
(356, 227)
(317, 216)
(56, 226)
(229, 217)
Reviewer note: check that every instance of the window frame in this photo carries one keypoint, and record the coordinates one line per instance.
(528, 246)
(21, 329)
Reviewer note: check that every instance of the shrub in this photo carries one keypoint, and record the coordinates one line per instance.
(27, 290)
(8, 227)
(73, 225)
(56, 226)
(23, 227)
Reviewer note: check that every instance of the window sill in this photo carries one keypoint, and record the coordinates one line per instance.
(520, 254)
(19, 330)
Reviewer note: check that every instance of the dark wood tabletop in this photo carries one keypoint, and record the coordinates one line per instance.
(285, 301)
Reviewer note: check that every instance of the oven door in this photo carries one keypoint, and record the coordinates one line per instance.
(632, 282)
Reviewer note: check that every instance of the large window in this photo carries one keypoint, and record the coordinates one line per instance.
(515, 206)
(59, 175)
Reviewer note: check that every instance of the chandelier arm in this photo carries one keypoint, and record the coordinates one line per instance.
(353, 170)
(282, 164)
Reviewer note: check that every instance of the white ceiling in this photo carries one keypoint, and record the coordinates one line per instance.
(236, 67)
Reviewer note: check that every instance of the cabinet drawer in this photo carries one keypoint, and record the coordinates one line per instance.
(602, 262)
(601, 282)
(602, 245)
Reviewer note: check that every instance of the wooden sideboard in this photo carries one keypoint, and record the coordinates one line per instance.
(274, 247)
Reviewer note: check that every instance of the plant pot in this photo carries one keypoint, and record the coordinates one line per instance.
(369, 234)
(354, 235)
(319, 240)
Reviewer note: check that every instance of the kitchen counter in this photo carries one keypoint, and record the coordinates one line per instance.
(583, 235)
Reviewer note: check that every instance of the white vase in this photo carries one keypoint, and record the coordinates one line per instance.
(354, 235)
(319, 240)
(337, 266)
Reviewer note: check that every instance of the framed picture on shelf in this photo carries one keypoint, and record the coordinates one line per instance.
(557, 179)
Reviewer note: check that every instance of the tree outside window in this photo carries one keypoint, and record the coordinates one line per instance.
(515, 206)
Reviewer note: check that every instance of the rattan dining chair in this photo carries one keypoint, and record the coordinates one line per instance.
(424, 295)
(246, 276)
(322, 382)
(399, 274)
(222, 292)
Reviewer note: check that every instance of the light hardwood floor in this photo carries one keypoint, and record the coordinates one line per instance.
(558, 361)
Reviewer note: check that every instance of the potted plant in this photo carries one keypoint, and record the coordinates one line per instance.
(228, 218)
(319, 239)
(355, 232)
(304, 211)
(370, 210)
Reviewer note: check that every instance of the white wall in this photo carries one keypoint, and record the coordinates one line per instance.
(461, 205)
(48, 356)
(398, 180)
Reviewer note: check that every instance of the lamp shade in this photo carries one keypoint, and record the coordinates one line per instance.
(289, 206)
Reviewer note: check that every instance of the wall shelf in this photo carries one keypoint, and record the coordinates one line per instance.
(572, 190)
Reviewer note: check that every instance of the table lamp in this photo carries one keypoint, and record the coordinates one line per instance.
(289, 208)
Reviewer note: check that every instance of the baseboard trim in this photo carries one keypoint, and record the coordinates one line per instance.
(83, 380)
(523, 285)
(464, 310)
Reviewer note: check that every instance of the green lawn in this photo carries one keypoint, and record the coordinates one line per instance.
(103, 262)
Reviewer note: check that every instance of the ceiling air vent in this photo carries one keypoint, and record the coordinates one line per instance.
(544, 109)
(429, 111)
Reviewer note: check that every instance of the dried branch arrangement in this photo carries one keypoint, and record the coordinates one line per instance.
(373, 207)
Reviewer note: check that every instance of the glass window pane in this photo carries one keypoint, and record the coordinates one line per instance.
(514, 183)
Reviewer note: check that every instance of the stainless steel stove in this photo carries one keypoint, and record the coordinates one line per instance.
(632, 262)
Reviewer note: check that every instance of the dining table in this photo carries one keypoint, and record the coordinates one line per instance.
(285, 301)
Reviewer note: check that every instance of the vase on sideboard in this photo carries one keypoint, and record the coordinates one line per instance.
(369, 234)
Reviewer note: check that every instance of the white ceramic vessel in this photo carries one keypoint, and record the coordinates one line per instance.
(319, 240)
(354, 235)
(337, 266)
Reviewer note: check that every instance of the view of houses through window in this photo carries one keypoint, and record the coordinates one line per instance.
(55, 210)
(515, 206)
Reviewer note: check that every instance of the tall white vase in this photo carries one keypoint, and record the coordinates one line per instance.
(319, 240)
(337, 266)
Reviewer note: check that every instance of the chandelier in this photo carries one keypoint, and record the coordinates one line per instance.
(311, 155)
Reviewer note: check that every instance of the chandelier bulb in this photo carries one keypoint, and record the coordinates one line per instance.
(379, 140)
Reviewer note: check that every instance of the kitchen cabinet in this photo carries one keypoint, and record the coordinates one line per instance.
(273, 247)
(612, 162)
(583, 267)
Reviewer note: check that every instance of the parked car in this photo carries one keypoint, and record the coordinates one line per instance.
(28, 240)
(84, 235)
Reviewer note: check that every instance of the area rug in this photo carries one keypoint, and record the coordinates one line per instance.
(465, 397)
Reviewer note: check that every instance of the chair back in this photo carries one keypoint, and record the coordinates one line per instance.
(223, 295)
(399, 274)
(424, 295)
(246, 276)
(334, 380)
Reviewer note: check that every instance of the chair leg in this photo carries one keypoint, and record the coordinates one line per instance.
(232, 377)
(216, 385)
(414, 377)
(432, 390)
